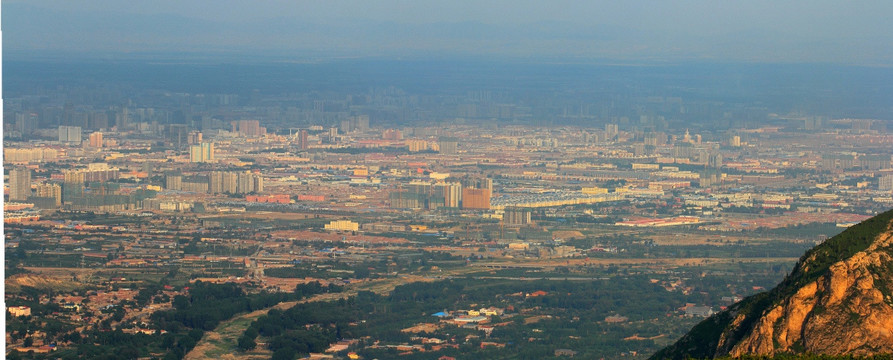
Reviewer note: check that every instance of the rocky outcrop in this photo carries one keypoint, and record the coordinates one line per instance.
(843, 312)
(838, 300)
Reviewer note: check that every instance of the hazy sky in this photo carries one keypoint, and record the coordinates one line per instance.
(786, 31)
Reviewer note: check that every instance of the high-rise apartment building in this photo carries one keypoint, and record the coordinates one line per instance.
(178, 134)
(19, 184)
(516, 216)
(735, 141)
(217, 182)
(885, 183)
(96, 172)
(194, 138)
(249, 182)
(450, 192)
(407, 200)
(303, 142)
(96, 139)
(475, 198)
(362, 122)
(173, 182)
(448, 146)
(611, 130)
(478, 183)
(223, 182)
(26, 155)
(416, 145)
(52, 191)
(70, 134)
(248, 128)
(392, 134)
(355, 123)
(201, 153)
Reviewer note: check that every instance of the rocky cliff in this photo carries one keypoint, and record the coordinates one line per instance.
(837, 300)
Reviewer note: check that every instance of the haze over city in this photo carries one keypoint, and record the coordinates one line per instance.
(446, 180)
(564, 31)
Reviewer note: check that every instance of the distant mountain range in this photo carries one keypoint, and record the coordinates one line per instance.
(838, 300)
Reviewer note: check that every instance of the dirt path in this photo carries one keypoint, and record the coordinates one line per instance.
(221, 343)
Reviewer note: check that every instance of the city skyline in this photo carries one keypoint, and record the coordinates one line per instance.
(452, 180)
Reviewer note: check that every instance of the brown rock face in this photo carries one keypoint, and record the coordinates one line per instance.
(837, 300)
(845, 311)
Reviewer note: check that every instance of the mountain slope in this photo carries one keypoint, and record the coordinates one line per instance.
(837, 300)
